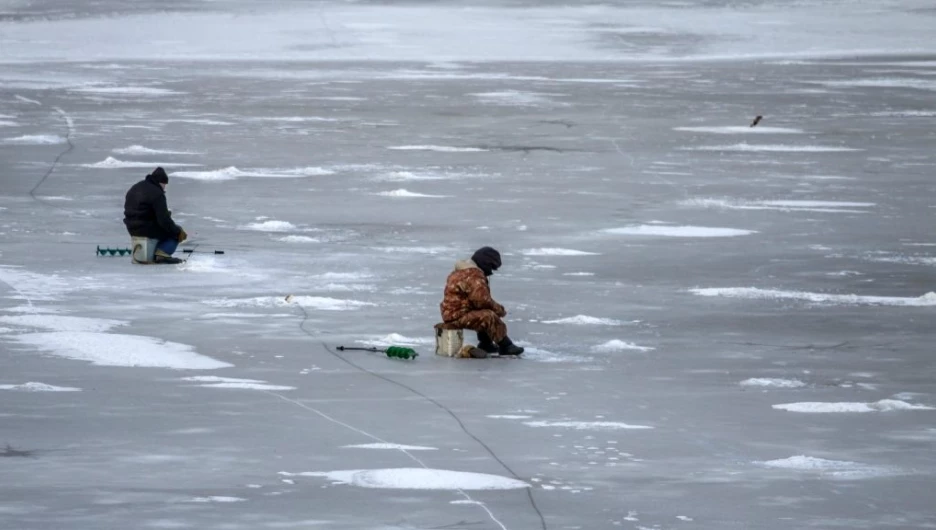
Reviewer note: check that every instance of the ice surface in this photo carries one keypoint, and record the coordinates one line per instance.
(111, 349)
(140, 150)
(678, 231)
(772, 382)
(398, 447)
(535, 127)
(39, 387)
(883, 405)
(839, 469)
(754, 293)
(34, 139)
(113, 163)
(417, 479)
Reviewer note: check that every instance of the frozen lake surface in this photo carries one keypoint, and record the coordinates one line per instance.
(726, 326)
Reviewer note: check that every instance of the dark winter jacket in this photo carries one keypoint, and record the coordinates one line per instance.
(146, 213)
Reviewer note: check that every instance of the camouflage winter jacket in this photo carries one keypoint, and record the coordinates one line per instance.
(466, 289)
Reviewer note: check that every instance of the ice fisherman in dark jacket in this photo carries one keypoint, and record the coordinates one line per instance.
(146, 214)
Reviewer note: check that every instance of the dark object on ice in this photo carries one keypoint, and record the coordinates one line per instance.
(507, 347)
(756, 120)
(487, 259)
(146, 213)
(219, 252)
(485, 343)
(112, 251)
(166, 259)
(10, 452)
(398, 352)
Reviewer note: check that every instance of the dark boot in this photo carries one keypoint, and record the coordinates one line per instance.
(485, 343)
(507, 347)
(166, 259)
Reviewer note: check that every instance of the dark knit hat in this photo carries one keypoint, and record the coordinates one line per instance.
(160, 176)
(487, 259)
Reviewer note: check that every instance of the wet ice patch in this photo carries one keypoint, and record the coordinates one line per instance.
(140, 150)
(883, 405)
(62, 323)
(616, 345)
(438, 148)
(587, 425)
(753, 293)
(416, 479)
(740, 130)
(232, 173)
(119, 350)
(828, 468)
(768, 382)
(398, 447)
(38, 387)
(678, 231)
(113, 163)
(585, 320)
(270, 226)
(404, 193)
(556, 252)
(35, 139)
(773, 148)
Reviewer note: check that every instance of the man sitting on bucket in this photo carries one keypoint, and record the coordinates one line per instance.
(146, 214)
(467, 303)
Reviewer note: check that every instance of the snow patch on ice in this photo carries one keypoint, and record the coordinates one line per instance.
(678, 231)
(509, 416)
(773, 148)
(578, 274)
(232, 173)
(556, 252)
(34, 287)
(406, 193)
(772, 382)
(416, 479)
(39, 387)
(113, 163)
(415, 250)
(35, 139)
(107, 349)
(883, 405)
(841, 469)
(398, 447)
(585, 320)
(616, 345)
(587, 425)
(728, 129)
(754, 293)
(394, 339)
(408, 176)
(62, 323)
(217, 498)
(532, 353)
(298, 239)
(140, 150)
(270, 226)
(780, 205)
(894, 82)
(514, 97)
(248, 386)
(438, 148)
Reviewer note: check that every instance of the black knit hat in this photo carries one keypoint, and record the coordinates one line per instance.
(487, 259)
(160, 176)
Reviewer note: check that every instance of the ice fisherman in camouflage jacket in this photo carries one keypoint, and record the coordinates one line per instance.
(468, 304)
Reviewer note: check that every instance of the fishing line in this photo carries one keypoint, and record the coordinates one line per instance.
(454, 416)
